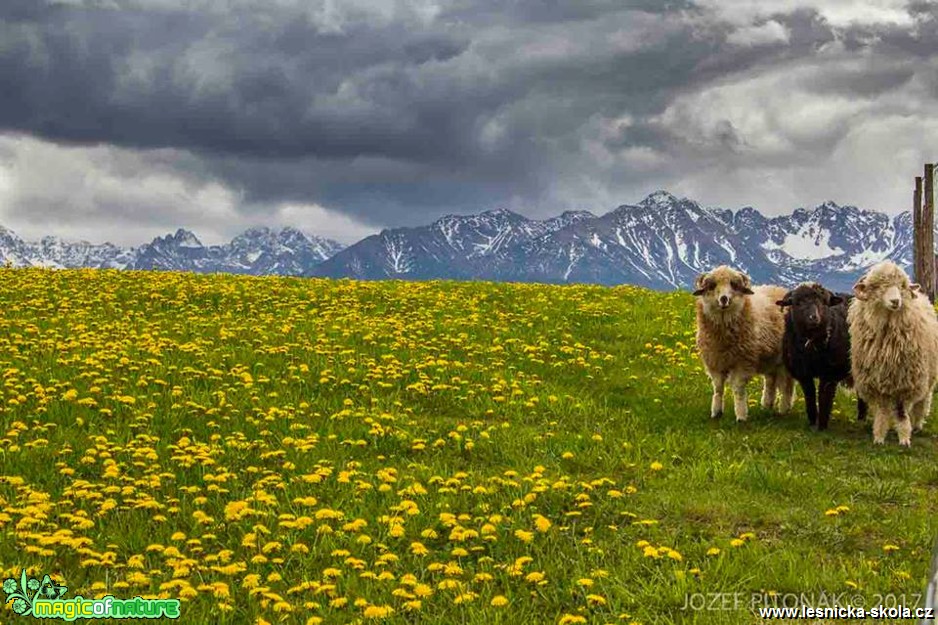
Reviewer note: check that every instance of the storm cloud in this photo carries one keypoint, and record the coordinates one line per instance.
(124, 118)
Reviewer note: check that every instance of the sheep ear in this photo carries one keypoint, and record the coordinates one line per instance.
(916, 288)
(859, 289)
(746, 286)
(700, 284)
(831, 299)
(785, 301)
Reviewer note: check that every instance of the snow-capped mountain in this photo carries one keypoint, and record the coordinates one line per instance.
(54, 252)
(286, 252)
(257, 251)
(459, 247)
(662, 242)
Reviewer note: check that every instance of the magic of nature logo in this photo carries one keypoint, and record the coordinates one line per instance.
(30, 596)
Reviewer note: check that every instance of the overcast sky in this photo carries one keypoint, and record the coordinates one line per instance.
(124, 119)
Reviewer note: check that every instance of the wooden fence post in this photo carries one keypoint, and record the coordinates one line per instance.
(918, 249)
(928, 230)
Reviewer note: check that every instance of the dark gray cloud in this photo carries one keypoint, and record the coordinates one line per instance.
(396, 112)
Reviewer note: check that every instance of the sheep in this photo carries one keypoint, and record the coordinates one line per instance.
(816, 344)
(894, 350)
(739, 335)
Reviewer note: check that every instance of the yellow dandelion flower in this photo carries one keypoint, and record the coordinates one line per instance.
(466, 597)
(250, 581)
(542, 524)
(378, 611)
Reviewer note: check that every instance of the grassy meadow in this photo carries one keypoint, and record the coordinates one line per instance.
(274, 450)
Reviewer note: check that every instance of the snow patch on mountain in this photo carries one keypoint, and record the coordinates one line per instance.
(867, 257)
(805, 244)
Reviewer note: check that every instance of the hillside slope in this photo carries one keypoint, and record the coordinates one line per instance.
(437, 452)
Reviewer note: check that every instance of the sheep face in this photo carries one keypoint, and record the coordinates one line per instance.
(809, 304)
(723, 290)
(887, 286)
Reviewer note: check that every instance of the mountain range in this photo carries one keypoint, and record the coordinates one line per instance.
(258, 251)
(662, 242)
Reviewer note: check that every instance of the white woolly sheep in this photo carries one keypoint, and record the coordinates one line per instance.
(739, 336)
(894, 350)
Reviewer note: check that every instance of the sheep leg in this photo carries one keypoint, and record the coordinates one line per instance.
(828, 389)
(903, 423)
(917, 415)
(716, 405)
(881, 419)
(786, 391)
(810, 399)
(920, 412)
(738, 382)
(768, 391)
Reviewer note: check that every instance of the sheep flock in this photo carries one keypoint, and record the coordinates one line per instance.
(881, 341)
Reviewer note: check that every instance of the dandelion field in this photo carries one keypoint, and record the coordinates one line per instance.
(284, 450)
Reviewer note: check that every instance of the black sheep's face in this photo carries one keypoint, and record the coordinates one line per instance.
(809, 307)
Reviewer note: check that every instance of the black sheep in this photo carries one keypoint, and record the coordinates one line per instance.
(816, 344)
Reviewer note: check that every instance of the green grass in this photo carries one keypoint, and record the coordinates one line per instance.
(133, 400)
